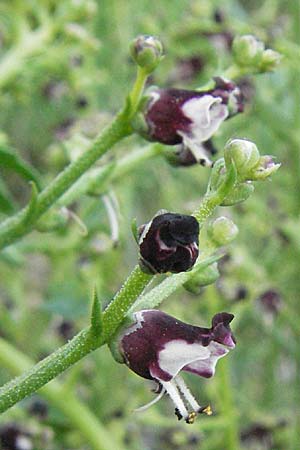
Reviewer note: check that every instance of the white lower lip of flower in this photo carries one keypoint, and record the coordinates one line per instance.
(206, 114)
(178, 353)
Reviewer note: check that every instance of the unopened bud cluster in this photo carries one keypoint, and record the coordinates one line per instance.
(248, 51)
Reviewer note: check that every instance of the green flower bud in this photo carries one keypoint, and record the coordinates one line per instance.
(244, 155)
(247, 50)
(202, 278)
(222, 231)
(238, 194)
(270, 60)
(147, 52)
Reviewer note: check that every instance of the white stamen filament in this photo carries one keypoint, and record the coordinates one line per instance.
(155, 400)
(187, 393)
(170, 387)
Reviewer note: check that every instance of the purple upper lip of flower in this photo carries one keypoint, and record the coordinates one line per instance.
(169, 243)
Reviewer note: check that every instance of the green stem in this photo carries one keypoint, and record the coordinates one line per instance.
(31, 43)
(81, 345)
(78, 414)
(118, 308)
(99, 178)
(215, 198)
(19, 225)
(137, 89)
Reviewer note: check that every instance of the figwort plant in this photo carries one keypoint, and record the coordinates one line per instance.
(153, 344)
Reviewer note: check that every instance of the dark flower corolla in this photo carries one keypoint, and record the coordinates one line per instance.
(158, 347)
(178, 116)
(169, 243)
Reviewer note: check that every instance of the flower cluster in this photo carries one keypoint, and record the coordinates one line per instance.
(158, 347)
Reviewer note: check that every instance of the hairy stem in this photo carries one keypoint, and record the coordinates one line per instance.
(81, 345)
(77, 413)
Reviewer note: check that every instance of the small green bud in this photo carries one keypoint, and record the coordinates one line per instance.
(247, 50)
(264, 169)
(270, 60)
(202, 278)
(222, 231)
(239, 193)
(147, 52)
(244, 155)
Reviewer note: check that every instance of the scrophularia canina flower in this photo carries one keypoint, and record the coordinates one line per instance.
(169, 243)
(178, 116)
(158, 347)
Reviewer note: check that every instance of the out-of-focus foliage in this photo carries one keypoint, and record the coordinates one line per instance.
(64, 70)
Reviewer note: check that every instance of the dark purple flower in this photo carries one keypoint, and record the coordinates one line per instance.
(158, 346)
(271, 303)
(14, 437)
(178, 116)
(169, 243)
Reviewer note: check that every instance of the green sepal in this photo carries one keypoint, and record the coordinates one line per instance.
(202, 278)
(238, 194)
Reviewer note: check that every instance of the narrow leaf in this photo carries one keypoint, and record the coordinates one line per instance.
(96, 316)
(9, 160)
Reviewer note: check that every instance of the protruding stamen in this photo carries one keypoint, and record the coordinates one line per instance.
(171, 389)
(191, 418)
(205, 410)
(187, 393)
(155, 400)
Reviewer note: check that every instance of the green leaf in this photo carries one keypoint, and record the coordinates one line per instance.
(6, 201)
(9, 160)
(134, 230)
(96, 316)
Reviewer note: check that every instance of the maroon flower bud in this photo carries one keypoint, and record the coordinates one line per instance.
(169, 243)
(178, 116)
(158, 346)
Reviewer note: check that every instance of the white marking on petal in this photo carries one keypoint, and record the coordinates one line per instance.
(138, 324)
(206, 113)
(208, 365)
(178, 353)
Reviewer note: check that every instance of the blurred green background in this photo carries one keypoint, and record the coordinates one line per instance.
(64, 72)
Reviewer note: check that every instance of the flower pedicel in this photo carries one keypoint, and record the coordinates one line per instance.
(158, 347)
